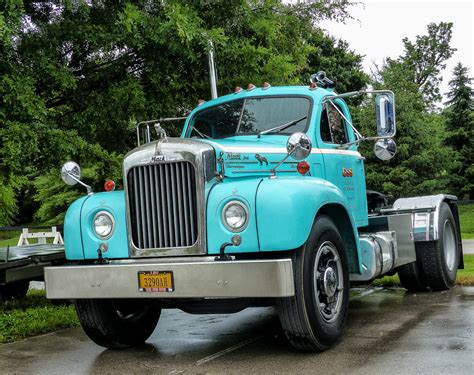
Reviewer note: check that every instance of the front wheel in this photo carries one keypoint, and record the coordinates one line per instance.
(118, 323)
(314, 318)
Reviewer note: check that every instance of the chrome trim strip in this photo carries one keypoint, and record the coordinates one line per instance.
(204, 278)
(279, 150)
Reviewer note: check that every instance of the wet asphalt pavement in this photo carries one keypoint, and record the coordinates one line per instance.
(389, 332)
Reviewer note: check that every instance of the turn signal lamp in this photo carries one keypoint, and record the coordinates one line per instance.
(109, 185)
(302, 167)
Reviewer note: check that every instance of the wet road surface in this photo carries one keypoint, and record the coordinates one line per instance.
(389, 332)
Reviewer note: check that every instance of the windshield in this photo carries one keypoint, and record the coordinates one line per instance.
(251, 116)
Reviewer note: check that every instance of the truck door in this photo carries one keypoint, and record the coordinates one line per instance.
(343, 167)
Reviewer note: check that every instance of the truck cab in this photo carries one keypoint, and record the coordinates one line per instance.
(261, 201)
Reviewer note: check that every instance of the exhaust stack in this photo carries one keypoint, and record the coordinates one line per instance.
(212, 70)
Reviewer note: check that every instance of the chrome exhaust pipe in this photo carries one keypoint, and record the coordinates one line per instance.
(212, 70)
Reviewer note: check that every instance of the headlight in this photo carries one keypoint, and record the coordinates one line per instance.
(235, 216)
(103, 224)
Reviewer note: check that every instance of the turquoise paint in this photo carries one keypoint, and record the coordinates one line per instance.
(281, 210)
(243, 190)
(287, 207)
(72, 230)
(113, 202)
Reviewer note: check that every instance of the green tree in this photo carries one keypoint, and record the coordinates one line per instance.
(423, 161)
(460, 131)
(425, 58)
(75, 77)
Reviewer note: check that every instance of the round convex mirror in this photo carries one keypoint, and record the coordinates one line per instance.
(299, 146)
(385, 149)
(71, 173)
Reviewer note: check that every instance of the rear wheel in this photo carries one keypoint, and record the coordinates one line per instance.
(314, 318)
(440, 259)
(14, 290)
(412, 277)
(118, 323)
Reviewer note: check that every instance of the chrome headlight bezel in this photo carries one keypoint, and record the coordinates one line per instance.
(112, 225)
(224, 218)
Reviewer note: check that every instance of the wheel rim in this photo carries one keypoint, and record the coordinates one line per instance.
(328, 281)
(449, 245)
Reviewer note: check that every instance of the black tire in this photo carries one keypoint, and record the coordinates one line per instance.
(440, 259)
(118, 323)
(307, 325)
(412, 277)
(14, 290)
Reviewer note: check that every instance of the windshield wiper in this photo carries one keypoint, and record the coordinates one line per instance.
(201, 134)
(281, 127)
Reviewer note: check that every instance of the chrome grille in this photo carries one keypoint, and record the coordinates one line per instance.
(163, 206)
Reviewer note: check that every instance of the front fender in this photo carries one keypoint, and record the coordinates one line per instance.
(287, 207)
(241, 189)
(80, 241)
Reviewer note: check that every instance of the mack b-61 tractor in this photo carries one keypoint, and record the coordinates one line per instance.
(261, 201)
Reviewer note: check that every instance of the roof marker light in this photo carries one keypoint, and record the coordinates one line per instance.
(237, 89)
(313, 86)
(251, 87)
(200, 101)
(266, 86)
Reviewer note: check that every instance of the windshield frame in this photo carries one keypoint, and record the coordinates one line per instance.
(190, 126)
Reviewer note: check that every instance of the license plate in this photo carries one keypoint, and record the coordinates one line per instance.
(155, 281)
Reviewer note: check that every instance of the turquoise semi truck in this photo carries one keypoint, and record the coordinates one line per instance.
(261, 201)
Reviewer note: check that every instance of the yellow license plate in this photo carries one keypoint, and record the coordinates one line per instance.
(155, 281)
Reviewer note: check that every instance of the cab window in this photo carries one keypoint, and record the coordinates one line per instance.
(333, 128)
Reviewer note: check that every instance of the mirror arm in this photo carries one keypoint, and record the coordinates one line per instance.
(360, 136)
(273, 170)
(88, 188)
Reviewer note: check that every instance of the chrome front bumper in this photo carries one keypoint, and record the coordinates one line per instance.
(193, 278)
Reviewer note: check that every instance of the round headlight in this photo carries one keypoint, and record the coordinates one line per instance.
(235, 216)
(103, 224)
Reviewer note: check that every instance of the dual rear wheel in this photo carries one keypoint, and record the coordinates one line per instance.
(437, 261)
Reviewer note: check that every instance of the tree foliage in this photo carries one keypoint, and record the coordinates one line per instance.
(75, 77)
(423, 162)
(460, 131)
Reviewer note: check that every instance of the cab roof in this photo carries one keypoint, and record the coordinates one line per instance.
(316, 94)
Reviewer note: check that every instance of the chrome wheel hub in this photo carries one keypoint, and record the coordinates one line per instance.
(328, 281)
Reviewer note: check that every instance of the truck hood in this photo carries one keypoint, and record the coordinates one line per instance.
(243, 155)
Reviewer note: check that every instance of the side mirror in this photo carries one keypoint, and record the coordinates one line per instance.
(385, 111)
(385, 149)
(299, 146)
(71, 173)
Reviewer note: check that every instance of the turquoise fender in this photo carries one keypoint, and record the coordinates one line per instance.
(80, 241)
(240, 189)
(287, 207)
(72, 230)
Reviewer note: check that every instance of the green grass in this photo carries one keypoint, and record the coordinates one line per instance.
(33, 315)
(466, 217)
(465, 277)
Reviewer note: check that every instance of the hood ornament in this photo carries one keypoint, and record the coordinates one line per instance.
(160, 132)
